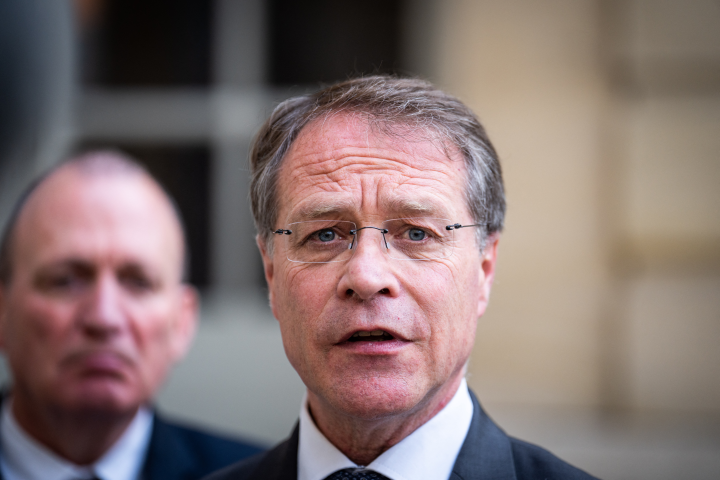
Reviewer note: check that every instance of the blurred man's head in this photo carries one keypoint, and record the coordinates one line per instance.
(93, 311)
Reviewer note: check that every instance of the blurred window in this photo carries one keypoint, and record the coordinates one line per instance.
(146, 43)
(328, 40)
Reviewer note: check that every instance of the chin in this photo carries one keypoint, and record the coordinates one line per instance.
(103, 399)
(376, 398)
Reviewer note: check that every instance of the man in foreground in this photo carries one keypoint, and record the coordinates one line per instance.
(379, 204)
(93, 313)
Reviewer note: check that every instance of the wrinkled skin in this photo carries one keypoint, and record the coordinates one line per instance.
(368, 392)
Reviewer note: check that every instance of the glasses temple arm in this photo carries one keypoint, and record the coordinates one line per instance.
(457, 225)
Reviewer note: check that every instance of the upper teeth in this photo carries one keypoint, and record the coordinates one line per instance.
(374, 333)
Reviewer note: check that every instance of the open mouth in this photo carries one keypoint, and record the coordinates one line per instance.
(374, 336)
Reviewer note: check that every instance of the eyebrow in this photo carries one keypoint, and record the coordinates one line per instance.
(89, 265)
(396, 207)
(405, 207)
(311, 212)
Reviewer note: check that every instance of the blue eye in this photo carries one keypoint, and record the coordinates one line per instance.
(326, 235)
(416, 234)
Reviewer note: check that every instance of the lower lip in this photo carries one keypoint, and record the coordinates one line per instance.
(377, 347)
(101, 363)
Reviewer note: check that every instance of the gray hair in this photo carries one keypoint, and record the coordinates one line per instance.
(93, 163)
(388, 103)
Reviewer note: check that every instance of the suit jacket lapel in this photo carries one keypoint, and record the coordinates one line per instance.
(280, 463)
(166, 456)
(486, 452)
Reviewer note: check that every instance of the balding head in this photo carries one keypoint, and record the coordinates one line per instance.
(95, 165)
(93, 311)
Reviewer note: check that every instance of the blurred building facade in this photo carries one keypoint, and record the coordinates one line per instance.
(606, 116)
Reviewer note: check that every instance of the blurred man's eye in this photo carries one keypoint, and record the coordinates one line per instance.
(62, 282)
(137, 281)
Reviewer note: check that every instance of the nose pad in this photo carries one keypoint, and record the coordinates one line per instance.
(366, 273)
(354, 245)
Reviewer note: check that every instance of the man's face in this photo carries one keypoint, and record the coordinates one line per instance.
(341, 169)
(95, 313)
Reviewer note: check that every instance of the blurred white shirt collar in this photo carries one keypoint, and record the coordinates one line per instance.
(428, 453)
(23, 458)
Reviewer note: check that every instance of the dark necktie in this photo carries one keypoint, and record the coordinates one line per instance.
(356, 474)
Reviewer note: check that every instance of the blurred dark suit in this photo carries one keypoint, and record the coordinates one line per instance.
(181, 453)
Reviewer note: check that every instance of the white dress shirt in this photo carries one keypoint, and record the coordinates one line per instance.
(23, 458)
(428, 453)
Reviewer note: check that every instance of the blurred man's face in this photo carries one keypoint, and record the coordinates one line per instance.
(339, 169)
(95, 313)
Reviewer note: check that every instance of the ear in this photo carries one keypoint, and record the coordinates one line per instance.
(487, 273)
(186, 323)
(268, 267)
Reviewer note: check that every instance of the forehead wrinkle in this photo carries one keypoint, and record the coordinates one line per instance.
(335, 164)
(315, 211)
(363, 178)
(407, 206)
(337, 158)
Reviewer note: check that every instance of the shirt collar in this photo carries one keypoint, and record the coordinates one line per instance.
(22, 457)
(427, 453)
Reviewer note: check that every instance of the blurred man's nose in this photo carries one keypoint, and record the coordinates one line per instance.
(102, 313)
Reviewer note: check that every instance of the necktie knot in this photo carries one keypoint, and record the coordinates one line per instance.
(356, 474)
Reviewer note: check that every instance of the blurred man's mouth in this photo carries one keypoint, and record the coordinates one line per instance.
(99, 362)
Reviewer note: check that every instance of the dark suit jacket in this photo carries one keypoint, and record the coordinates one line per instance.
(180, 453)
(487, 453)
(177, 452)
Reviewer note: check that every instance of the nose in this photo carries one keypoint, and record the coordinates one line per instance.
(367, 273)
(102, 314)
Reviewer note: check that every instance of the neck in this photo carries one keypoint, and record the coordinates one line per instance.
(363, 439)
(80, 437)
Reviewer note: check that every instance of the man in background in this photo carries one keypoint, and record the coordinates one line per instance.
(93, 313)
(379, 204)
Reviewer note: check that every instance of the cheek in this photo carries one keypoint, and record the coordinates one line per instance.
(154, 355)
(151, 329)
(447, 296)
(299, 301)
(39, 324)
(152, 332)
(38, 336)
(303, 293)
(435, 287)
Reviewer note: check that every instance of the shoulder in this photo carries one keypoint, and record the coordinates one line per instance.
(174, 445)
(280, 463)
(533, 462)
(245, 469)
(489, 453)
(207, 443)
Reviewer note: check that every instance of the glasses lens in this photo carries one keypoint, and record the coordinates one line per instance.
(419, 238)
(319, 241)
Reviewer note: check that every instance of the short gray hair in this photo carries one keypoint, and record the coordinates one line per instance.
(387, 102)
